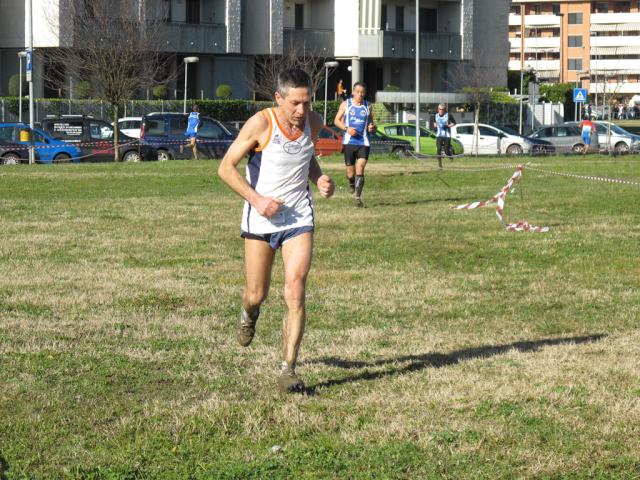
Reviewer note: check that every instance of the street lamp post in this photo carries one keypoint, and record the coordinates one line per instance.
(417, 148)
(21, 55)
(187, 61)
(327, 66)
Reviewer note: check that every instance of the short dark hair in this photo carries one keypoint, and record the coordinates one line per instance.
(195, 108)
(292, 78)
(360, 84)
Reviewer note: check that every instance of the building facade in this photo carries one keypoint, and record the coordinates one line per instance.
(594, 44)
(373, 40)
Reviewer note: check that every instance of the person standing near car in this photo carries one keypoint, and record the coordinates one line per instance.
(278, 209)
(356, 119)
(193, 122)
(588, 129)
(442, 123)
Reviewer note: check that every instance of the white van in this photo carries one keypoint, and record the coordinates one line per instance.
(130, 126)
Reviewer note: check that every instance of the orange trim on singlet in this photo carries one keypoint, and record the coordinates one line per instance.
(259, 148)
(282, 129)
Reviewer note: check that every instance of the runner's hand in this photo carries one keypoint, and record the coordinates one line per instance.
(352, 131)
(325, 186)
(268, 206)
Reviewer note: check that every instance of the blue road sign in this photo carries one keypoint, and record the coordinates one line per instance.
(579, 95)
(29, 64)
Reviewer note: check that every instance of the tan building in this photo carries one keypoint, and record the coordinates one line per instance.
(594, 43)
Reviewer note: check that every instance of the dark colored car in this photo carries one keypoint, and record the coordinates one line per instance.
(14, 153)
(383, 144)
(539, 147)
(95, 139)
(165, 132)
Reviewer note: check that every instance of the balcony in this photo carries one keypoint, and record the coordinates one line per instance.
(535, 20)
(616, 41)
(401, 45)
(194, 38)
(537, 65)
(314, 41)
(609, 18)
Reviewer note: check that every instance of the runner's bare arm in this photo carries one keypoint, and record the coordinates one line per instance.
(253, 133)
(339, 120)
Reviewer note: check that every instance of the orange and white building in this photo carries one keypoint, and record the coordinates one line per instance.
(594, 43)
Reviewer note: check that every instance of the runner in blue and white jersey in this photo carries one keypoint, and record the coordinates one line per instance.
(356, 119)
(193, 122)
(442, 123)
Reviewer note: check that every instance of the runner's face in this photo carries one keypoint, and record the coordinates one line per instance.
(358, 94)
(294, 105)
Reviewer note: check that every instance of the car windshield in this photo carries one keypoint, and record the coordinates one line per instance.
(619, 130)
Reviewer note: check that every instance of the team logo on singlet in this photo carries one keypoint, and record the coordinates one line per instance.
(277, 139)
(292, 147)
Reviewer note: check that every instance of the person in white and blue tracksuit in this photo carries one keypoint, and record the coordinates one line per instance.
(442, 123)
(356, 119)
(193, 122)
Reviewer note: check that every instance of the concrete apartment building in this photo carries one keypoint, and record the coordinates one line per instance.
(373, 40)
(594, 43)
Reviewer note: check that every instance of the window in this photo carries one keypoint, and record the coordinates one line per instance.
(38, 137)
(8, 134)
(537, 9)
(299, 16)
(409, 131)
(487, 132)
(622, 7)
(177, 126)
(545, 132)
(575, 64)
(66, 130)
(193, 11)
(600, 7)
(428, 20)
(391, 130)
(399, 18)
(209, 129)
(575, 18)
(465, 130)
(575, 40)
(555, 7)
(384, 22)
(154, 127)
(100, 131)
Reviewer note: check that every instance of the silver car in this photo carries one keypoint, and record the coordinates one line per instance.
(619, 140)
(566, 138)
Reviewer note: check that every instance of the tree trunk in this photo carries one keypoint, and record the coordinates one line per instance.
(476, 131)
(116, 129)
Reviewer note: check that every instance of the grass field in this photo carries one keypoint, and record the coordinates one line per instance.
(437, 344)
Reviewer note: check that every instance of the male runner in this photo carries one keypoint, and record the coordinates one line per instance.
(443, 122)
(193, 122)
(278, 210)
(356, 119)
(588, 128)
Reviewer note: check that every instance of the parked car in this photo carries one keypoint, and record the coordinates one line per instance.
(48, 148)
(14, 153)
(539, 147)
(166, 133)
(383, 144)
(565, 138)
(329, 142)
(130, 126)
(619, 139)
(95, 138)
(491, 140)
(407, 131)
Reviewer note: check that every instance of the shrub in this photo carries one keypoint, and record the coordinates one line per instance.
(14, 85)
(224, 91)
(159, 91)
(82, 89)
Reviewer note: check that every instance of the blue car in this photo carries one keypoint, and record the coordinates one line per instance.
(48, 149)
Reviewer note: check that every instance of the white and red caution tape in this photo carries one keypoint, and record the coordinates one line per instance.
(498, 199)
(587, 177)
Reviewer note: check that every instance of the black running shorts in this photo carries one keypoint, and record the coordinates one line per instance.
(354, 152)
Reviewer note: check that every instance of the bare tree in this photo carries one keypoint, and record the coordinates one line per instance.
(264, 81)
(475, 81)
(113, 45)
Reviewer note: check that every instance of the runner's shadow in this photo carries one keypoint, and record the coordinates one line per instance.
(433, 360)
(4, 468)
